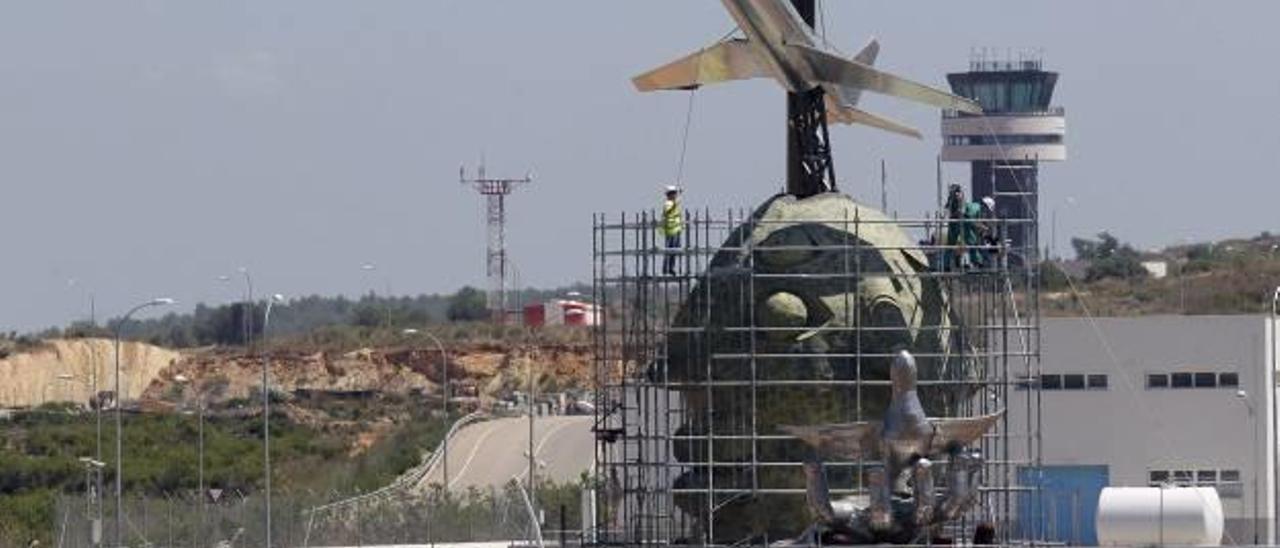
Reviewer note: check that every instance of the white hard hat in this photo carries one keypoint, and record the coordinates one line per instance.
(989, 201)
(672, 188)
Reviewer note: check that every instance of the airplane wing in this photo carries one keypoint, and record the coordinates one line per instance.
(832, 69)
(848, 439)
(722, 62)
(950, 434)
(852, 115)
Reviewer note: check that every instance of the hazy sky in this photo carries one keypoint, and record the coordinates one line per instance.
(147, 147)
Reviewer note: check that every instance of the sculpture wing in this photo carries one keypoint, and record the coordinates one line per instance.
(952, 434)
(722, 62)
(849, 439)
(832, 69)
(852, 115)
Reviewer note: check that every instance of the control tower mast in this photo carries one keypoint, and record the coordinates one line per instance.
(495, 191)
(1005, 145)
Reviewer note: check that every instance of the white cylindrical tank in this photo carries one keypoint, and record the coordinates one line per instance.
(1145, 516)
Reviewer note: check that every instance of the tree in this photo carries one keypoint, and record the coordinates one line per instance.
(468, 305)
(1108, 258)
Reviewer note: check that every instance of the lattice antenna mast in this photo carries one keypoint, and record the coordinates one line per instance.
(495, 191)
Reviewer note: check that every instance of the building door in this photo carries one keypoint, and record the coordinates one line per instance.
(1063, 503)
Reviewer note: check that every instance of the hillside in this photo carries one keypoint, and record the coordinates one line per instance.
(61, 370)
(1236, 276)
(355, 408)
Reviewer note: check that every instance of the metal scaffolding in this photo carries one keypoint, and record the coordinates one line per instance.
(692, 384)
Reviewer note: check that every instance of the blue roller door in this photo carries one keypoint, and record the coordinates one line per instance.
(1065, 505)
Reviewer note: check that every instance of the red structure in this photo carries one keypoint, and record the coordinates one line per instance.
(561, 312)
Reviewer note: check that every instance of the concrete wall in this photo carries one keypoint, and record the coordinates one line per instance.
(1133, 429)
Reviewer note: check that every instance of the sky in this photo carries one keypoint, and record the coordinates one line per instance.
(148, 147)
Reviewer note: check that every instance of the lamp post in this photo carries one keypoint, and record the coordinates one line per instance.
(119, 401)
(93, 491)
(183, 380)
(444, 374)
(93, 502)
(1244, 397)
(1275, 462)
(532, 471)
(266, 410)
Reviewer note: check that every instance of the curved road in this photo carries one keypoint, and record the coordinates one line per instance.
(491, 453)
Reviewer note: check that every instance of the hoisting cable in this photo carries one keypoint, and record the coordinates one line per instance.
(688, 115)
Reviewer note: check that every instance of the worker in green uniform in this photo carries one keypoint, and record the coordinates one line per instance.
(963, 219)
(672, 227)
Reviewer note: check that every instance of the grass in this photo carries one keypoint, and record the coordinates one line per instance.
(39, 454)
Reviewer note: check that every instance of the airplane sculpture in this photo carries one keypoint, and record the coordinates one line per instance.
(902, 504)
(781, 46)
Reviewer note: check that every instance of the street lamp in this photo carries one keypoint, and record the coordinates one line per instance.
(444, 374)
(93, 469)
(185, 381)
(266, 409)
(1244, 397)
(1275, 463)
(95, 465)
(162, 301)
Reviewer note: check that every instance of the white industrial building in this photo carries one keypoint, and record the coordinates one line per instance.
(1140, 401)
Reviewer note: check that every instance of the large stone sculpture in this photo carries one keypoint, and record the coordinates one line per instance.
(820, 291)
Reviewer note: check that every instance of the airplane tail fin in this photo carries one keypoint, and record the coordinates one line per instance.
(869, 53)
(722, 62)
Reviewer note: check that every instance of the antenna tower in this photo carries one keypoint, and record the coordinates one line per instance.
(495, 191)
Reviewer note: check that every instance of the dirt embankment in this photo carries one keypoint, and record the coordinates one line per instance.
(480, 370)
(66, 370)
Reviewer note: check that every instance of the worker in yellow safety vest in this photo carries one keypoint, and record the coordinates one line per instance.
(672, 227)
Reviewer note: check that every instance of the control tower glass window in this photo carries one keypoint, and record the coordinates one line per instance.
(1006, 91)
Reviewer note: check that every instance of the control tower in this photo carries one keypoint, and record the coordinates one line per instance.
(1005, 145)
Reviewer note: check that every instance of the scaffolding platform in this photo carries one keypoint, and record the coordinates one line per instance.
(782, 316)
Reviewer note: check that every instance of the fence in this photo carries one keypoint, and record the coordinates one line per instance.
(237, 519)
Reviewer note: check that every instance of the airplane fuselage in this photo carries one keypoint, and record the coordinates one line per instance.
(771, 26)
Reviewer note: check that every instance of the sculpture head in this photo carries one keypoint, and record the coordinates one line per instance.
(902, 373)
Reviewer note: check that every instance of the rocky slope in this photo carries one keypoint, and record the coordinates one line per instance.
(63, 370)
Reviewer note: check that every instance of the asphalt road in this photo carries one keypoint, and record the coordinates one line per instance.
(491, 453)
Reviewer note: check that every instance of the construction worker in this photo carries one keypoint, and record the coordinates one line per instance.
(963, 217)
(672, 227)
(988, 231)
(952, 252)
